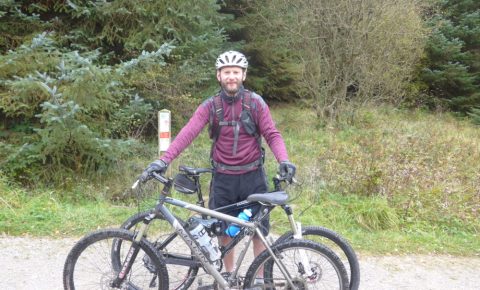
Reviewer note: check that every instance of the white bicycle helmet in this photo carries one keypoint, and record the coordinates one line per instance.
(231, 58)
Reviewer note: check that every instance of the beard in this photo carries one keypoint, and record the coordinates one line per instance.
(231, 88)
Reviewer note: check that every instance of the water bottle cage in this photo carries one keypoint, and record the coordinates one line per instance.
(246, 231)
(217, 228)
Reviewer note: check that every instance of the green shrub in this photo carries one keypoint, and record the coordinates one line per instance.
(424, 166)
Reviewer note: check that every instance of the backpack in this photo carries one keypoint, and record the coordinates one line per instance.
(246, 120)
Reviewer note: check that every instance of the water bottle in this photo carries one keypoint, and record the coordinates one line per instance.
(211, 250)
(233, 229)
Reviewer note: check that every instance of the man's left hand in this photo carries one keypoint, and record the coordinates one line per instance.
(287, 170)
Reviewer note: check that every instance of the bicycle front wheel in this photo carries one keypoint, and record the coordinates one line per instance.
(309, 265)
(89, 263)
(334, 242)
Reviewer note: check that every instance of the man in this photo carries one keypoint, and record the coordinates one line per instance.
(238, 118)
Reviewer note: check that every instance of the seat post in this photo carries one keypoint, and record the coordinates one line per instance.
(200, 200)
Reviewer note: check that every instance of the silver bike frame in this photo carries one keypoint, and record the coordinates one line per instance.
(182, 232)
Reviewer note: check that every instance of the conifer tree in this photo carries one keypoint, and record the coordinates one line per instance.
(96, 72)
(452, 71)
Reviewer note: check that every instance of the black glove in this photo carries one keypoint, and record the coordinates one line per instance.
(158, 166)
(287, 170)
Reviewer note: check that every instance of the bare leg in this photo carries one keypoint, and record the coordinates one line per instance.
(258, 247)
(228, 260)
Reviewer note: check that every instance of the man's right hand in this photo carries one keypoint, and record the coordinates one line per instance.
(158, 166)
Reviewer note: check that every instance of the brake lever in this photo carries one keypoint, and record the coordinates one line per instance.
(294, 181)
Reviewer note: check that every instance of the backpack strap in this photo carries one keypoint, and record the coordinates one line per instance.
(247, 106)
(217, 111)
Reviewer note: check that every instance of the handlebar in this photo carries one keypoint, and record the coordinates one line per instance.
(277, 180)
(162, 179)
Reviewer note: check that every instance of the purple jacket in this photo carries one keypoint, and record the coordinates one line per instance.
(248, 149)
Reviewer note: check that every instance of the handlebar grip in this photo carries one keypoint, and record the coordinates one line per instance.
(155, 175)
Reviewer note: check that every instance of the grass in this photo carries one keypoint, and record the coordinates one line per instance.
(44, 213)
(373, 227)
(392, 182)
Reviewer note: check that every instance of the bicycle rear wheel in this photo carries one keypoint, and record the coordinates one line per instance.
(336, 243)
(89, 263)
(309, 265)
(182, 268)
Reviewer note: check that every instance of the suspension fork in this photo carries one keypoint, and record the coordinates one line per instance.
(133, 251)
(297, 234)
(296, 227)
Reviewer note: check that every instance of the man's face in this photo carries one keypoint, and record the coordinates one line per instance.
(231, 78)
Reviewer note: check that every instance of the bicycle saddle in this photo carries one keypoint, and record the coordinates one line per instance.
(273, 198)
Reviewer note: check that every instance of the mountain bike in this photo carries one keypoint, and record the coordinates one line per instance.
(292, 264)
(166, 242)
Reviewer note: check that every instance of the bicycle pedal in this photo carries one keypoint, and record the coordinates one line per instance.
(206, 287)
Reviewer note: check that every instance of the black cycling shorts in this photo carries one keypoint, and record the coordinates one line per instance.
(227, 189)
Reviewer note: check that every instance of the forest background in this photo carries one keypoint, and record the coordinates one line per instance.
(378, 101)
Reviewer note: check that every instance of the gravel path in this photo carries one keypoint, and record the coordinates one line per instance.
(37, 264)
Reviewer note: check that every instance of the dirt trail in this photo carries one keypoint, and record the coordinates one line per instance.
(37, 264)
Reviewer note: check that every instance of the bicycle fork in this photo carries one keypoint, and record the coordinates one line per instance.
(297, 234)
(132, 252)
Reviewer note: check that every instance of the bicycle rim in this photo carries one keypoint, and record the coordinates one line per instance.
(89, 264)
(334, 242)
(325, 270)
